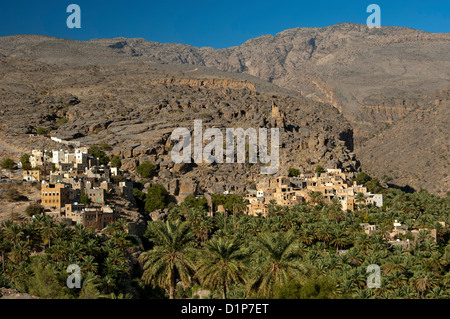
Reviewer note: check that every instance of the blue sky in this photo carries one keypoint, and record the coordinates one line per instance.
(218, 24)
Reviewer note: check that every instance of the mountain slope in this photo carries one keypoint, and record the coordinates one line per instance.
(416, 150)
(133, 106)
(373, 76)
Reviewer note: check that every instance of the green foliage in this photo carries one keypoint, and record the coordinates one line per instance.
(171, 258)
(35, 255)
(47, 282)
(97, 152)
(34, 209)
(8, 163)
(362, 178)
(193, 202)
(373, 185)
(316, 197)
(115, 179)
(138, 194)
(25, 160)
(41, 131)
(105, 147)
(116, 161)
(319, 169)
(146, 169)
(314, 288)
(229, 202)
(222, 261)
(295, 252)
(294, 172)
(280, 261)
(157, 198)
(62, 120)
(84, 199)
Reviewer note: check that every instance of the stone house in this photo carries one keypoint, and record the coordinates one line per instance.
(90, 217)
(257, 208)
(55, 195)
(33, 175)
(97, 195)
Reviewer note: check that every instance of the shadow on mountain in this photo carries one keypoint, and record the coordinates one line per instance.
(406, 188)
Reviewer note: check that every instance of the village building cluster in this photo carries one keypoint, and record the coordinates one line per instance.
(288, 191)
(401, 235)
(74, 186)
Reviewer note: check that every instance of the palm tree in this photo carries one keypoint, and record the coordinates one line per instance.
(424, 282)
(20, 252)
(48, 233)
(115, 264)
(363, 242)
(316, 197)
(281, 262)
(238, 205)
(339, 239)
(437, 293)
(306, 235)
(89, 264)
(12, 232)
(4, 247)
(323, 234)
(171, 257)
(204, 229)
(397, 279)
(222, 262)
(120, 238)
(359, 198)
(119, 225)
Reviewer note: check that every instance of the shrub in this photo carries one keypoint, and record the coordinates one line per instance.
(116, 162)
(294, 172)
(62, 121)
(200, 203)
(84, 199)
(41, 131)
(97, 152)
(362, 178)
(34, 209)
(146, 169)
(25, 160)
(106, 147)
(319, 169)
(157, 198)
(7, 163)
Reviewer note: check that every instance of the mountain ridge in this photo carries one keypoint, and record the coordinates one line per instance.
(373, 77)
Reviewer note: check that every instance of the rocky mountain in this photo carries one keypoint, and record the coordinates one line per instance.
(415, 151)
(72, 90)
(375, 79)
(373, 76)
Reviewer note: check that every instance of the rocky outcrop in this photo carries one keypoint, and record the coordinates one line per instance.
(354, 82)
(373, 76)
(211, 83)
(414, 152)
(7, 293)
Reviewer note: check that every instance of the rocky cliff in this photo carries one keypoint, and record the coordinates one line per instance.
(374, 78)
(134, 106)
